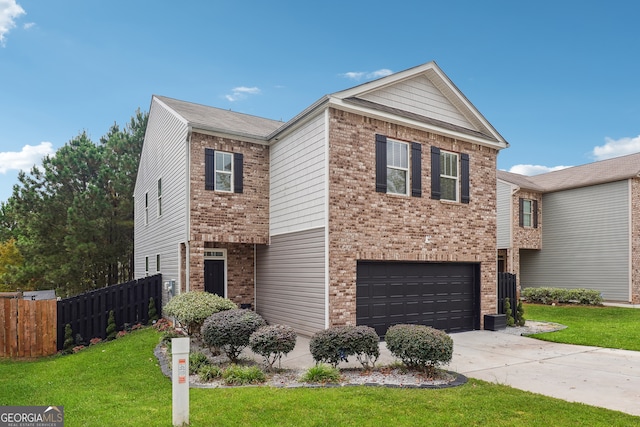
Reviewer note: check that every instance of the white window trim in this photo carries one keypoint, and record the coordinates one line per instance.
(146, 266)
(526, 214)
(146, 208)
(406, 170)
(456, 178)
(215, 172)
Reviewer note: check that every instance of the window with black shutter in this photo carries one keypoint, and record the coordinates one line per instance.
(398, 167)
(223, 171)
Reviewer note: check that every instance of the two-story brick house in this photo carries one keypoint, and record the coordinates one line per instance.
(376, 205)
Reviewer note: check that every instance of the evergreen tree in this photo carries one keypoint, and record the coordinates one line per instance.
(520, 320)
(508, 312)
(111, 327)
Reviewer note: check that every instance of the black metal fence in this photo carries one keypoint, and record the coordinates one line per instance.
(507, 289)
(88, 313)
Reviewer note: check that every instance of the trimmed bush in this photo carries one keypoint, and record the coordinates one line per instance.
(520, 320)
(230, 330)
(240, 375)
(111, 327)
(562, 296)
(273, 342)
(335, 344)
(192, 308)
(419, 346)
(321, 374)
(152, 312)
(509, 313)
(68, 344)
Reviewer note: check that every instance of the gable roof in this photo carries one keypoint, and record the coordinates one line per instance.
(610, 170)
(215, 119)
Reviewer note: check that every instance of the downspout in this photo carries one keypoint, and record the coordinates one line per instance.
(327, 280)
(255, 277)
(188, 207)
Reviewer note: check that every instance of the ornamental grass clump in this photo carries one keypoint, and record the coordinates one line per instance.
(335, 344)
(273, 342)
(322, 374)
(230, 330)
(419, 346)
(241, 375)
(192, 308)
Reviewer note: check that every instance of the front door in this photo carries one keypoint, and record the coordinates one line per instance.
(214, 276)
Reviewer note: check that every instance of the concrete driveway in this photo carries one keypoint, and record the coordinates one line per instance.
(596, 376)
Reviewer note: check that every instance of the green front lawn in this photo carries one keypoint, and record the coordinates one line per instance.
(611, 327)
(119, 383)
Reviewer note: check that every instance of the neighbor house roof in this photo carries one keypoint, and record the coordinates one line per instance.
(616, 169)
(522, 181)
(218, 120)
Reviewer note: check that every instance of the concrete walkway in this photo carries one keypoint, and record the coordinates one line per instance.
(595, 376)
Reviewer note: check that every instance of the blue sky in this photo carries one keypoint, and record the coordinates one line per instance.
(558, 79)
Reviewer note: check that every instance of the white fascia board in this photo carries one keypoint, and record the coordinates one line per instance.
(170, 110)
(226, 134)
(339, 104)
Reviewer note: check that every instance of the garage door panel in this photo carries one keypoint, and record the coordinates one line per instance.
(441, 295)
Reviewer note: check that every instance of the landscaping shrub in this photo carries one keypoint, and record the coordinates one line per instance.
(111, 327)
(240, 375)
(335, 344)
(520, 320)
(192, 308)
(209, 372)
(321, 373)
(562, 296)
(419, 346)
(197, 360)
(152, 312)
(508, 312)
(69, 343)
(230, 330)
(273, 342)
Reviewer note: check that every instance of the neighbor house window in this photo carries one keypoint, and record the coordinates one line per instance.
(448, 176)
(528, 213)
(146, 208)
(146, 266)
(158, 263)
(397, 167)
(160, 197)
(223, 171)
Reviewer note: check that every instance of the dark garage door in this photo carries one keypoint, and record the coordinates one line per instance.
(442, 295)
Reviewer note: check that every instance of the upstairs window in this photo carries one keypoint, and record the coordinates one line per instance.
(397, 169)
(528, 213)
(158, 263)
(223, 171)
(146, 208)
(449, 176)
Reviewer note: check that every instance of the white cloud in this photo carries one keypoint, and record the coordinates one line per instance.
(29, 25)
(530, 170)
(25, 159)
(9, 11)
(616, 148)
(241, 92)
(359, 75)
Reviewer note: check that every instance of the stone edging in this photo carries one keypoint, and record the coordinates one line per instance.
(460, 379)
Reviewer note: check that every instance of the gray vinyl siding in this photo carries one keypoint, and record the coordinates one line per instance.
(585, 242)
(504, 219)
(419, 96)
(164, 155)
(297, 179)
(290, 281)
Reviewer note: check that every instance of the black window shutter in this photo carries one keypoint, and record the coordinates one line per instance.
(237, 173)
(209, 169)
(416, 169)
(535, 214)
(464, 178)
(381, 163)
(521, 213)
(435, 173)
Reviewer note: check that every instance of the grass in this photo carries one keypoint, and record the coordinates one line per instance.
(119, 383)
(610, 327)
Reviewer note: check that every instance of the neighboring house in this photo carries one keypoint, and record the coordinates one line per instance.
(374, 206)
(583, 233)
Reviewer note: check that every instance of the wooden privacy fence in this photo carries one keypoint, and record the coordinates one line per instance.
(27, 328)
(507, 289)
(88, 313)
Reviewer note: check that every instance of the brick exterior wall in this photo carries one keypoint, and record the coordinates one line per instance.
(523, 237)
(635, 240)
(366, 225)
(232, 221)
